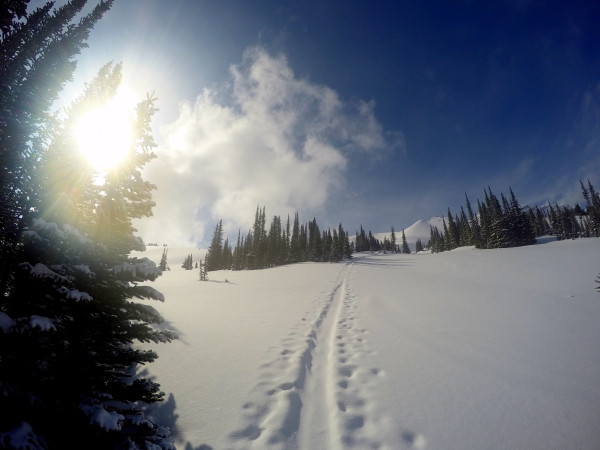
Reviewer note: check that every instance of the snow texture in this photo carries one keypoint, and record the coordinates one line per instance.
(144, 269)
(21, 438)
(6, 323)
(41, 322)
(75, 294)
(109, 420)
(467, 349)
(74, 233)
(42, 271)
(83, 268)
(48, 228)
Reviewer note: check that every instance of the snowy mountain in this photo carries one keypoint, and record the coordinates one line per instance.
(466, 349)
(418, 230)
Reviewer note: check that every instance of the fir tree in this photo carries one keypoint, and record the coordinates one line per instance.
(452, 234)
(405, 247)
(203, 272)
(37, 53)
(418, 246)
(213, 259)
(68, 355)
(295, 250)
(393, 241)
(163, 260)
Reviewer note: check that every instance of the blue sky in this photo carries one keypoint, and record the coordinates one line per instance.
(372, 113)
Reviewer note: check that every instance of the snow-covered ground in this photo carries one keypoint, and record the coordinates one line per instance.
(469, 349)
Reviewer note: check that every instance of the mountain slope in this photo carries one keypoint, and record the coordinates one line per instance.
(466, 349)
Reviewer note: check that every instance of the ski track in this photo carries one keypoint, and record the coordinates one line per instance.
(315, 393)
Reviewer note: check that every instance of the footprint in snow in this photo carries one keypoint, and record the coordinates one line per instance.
(415, 440)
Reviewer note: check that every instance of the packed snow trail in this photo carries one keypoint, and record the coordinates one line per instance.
(315, 394)
(335, 398)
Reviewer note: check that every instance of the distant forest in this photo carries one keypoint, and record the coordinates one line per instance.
(503, 222)
(281, 244)
(499, 223)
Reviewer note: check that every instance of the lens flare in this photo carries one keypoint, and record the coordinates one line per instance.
(105, 134)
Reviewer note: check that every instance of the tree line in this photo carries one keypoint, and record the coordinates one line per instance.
(288, 243)
(366, 241)
(503, 222)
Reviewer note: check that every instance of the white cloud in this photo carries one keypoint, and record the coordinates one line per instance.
(278, 141)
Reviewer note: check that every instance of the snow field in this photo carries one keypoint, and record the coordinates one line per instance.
(467, 349)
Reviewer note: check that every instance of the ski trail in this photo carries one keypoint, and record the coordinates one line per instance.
(317, 393)
(319, 428)
(272, 419)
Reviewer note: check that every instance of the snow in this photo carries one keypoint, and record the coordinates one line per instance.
(418, 230)
(109, 420)
(22, 438)
(75, 294)
(49, 228)
(6, 322)
(466, 349)
(83, 268)
(43, 323)
(42, 271)
(143, 269)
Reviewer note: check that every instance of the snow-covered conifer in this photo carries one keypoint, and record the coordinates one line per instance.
(75, 306)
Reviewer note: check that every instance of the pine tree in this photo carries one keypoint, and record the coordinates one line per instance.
(188, 263)
(295, 249)
(592, 199)
(314, 241)
(163, 260)
(418, 246)
(405, 247)
(475, 236)
(68, 357)
(203, 272)
(226, 256)
(213, 259)
(453, 238)
(37, 53)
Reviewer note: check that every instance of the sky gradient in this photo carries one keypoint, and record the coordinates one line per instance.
(367, 113)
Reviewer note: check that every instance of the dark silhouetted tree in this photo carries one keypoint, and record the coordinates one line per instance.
(71, 312)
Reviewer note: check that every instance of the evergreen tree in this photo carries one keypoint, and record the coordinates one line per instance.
(418, 246)
(37, 53)
(475, 235)
(163, 260)
(213, 259)
(592, 199)
(68, 355)
(315, 243)
(226, 256)
(295, 249)
(203, 272)
(452, 234)
(405, 247)
(393, 241)
(188, 263)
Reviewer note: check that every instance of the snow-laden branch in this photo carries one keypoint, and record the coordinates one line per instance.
(140, 270)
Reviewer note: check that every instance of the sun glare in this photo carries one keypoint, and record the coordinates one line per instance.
(104, 134)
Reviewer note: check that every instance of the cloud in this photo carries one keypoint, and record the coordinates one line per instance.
(266, 138)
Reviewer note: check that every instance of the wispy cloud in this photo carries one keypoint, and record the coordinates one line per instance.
(265, 137)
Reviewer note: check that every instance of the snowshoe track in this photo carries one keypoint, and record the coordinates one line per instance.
(313, 394)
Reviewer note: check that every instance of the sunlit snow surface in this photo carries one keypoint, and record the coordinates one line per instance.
(468, 349)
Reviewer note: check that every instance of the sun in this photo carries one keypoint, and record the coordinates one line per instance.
(105, 134)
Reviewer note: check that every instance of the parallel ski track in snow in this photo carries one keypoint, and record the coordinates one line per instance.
(313, 395)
